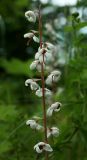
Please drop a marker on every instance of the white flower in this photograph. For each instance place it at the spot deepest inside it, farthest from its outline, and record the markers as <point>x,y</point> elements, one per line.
<point>54,131</point>
<point>32,83</point>
<point>47,92</point>
<point>31,35</point>
<point>43,55</point>
<point>36,65</point>
<point>41,146</point>
<point>33,124</point>
<point>53,77</point>
<point>30,15</point>
<point>40,55</point>
<point>55,107</point>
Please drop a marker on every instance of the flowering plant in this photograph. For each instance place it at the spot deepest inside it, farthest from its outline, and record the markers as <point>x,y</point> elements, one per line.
<point>42,59</point>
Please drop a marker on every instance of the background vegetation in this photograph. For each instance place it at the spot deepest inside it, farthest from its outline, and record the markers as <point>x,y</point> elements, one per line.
<point>18,103</point>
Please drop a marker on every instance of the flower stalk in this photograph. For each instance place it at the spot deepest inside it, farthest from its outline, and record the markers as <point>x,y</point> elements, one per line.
<point>43,85</point>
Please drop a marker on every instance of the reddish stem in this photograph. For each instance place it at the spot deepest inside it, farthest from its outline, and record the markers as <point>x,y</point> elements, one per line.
<point>43,86</point>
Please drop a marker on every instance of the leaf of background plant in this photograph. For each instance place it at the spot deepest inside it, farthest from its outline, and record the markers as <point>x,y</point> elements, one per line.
<point>77,27</point>
<point>17,67</point>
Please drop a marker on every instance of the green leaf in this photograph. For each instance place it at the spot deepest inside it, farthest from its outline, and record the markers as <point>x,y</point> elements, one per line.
<point>77,27</point>
<point>16,67</point>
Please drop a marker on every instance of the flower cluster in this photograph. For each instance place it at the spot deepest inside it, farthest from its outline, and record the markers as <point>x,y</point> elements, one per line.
<point>41,61</point>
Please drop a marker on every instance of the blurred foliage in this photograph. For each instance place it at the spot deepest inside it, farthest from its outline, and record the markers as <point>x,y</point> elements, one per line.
<point>18,103</point>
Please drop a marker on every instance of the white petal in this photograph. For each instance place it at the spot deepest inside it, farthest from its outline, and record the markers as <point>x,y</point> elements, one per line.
<point>56,106</point>
<point>39,127</point>
<point>30,15</point>
<point>56,78</point>
<point>57,110</point>
<point>28,35</point>
<point>31,123</point>
<point>38,150</point>
<point>48,148</point>
<point>39,67</point>
<point>49,80</point>
<point>49,56</point>
<point>48,133</point>
<point>49,111</point>
<point>34,86</point>
<point>41,59</point>
<point>28,122</point>
<point>42,51</point>
<point>36,147</point>
<point>37,55</point>
<point>36,39</point>
<point>50,46</point>
<point>47,92</point>
<point>39,92</point>
<point>55,131</point>
<point>28,81</point>
<point>56,72</point>
<point>33,65</point>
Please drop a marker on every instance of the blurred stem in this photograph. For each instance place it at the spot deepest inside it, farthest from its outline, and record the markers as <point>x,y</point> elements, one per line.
<point>43,85</point>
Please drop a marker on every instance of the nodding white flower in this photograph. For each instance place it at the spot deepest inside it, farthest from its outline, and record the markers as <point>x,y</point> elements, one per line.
<point>31,35</point>
<point>47,92</point>
<point>55,107</point>
<point>32,83</point>
<point>30,15</point>
<point>41,146</point>
<point>34,125</point>
<point>54,131</point>
<point>36,65</point>
<point>53,77</point>
<point>40,55</point>
<point>43,55</point>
